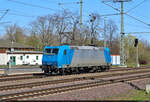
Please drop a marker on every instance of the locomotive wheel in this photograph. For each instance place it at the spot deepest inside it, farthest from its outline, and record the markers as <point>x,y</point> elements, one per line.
<point>46,71</point>
<point>61,71</point>
<point>86,70</point>
<point>108,67</point>
<point>77,70</point>
<point>69,71</point>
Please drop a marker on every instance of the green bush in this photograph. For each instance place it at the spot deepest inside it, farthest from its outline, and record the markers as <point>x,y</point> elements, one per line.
<point>144,58</point>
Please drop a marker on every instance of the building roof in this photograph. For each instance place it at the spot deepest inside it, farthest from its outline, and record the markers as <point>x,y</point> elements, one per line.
<point>25,52</point>
<point>8,44</point>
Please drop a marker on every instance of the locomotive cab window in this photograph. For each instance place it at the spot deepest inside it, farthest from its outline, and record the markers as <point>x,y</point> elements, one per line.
<point>51,51</point>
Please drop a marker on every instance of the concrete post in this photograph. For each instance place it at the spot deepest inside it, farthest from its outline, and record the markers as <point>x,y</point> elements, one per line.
<point>137,57</point>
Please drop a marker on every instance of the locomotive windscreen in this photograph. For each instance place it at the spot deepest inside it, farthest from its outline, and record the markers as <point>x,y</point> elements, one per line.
<point>52,51</point>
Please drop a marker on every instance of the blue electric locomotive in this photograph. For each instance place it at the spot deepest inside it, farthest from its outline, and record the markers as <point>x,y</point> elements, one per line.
<point>68,59</point>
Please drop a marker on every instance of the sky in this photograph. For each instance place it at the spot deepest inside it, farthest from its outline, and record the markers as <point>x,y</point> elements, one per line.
<point>23,12</point>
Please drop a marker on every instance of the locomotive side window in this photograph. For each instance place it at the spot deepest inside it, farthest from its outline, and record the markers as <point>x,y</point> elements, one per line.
<point>51,51</point>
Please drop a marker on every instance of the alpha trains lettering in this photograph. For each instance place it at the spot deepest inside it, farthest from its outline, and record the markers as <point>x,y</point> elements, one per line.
<point>69,59</point>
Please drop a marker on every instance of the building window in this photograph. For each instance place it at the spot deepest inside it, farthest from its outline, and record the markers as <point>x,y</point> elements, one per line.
<point>27,56</point>
<point>21,57</point>
<point>37,57</point>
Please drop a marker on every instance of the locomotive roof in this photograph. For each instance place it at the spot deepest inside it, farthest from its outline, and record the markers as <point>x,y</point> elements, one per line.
<point>86,47</point>
<point>76,47</point>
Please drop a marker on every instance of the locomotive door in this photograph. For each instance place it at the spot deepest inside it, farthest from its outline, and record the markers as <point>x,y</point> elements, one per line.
<point>66,57</point>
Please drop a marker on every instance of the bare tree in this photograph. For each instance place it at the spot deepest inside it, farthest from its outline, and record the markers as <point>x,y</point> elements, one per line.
<point>112,31</point>
<point>73,33</point>
<point>44,28</point>
<point>62,24</point>
<point>15,33</point>
<point>10,31</point>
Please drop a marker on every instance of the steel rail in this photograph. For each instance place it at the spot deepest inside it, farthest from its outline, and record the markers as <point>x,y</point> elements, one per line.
<point>50,91</point>
<point>32,76</point>
<point>36,84</point>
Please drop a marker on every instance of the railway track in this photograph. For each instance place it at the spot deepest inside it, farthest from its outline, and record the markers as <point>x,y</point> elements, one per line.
<point>36,84</point>
<point>40,75</point>
<point>50,91</point>
<point>21,77</point>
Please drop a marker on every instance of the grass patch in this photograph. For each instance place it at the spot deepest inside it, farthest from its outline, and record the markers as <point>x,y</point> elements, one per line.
<point>137,96</point>
<point>132,95</point>
<point>130,65</point>
<point>3,66</point>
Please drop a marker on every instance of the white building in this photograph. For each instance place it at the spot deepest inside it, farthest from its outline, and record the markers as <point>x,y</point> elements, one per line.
<point>18,54</point>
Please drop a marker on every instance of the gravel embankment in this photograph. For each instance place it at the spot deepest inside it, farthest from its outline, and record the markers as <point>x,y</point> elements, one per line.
<point>97,93</point>
<point>85,94</point>
<point>56,78</point>
<point>53,78</point>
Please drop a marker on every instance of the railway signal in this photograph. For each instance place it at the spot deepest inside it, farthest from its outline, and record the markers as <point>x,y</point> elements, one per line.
<point>135,42</point>
<point>137,55</point>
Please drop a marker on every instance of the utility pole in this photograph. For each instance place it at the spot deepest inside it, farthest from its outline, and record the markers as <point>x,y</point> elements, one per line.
<point>81,13</point>
<point>122,43</point>
<point>122,49</point>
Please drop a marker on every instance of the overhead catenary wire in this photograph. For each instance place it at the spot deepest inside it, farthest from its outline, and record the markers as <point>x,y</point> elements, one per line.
<point>128,15</point>
<point>16,14</point>
<point>135,25</point>
<point>50,1</point>
<point>142,15</point>
<point>110,14</point>
<point>5,22</point>
<point>136,6</point>
<point>137,19</point>
<point>11,10</point>
<point>4,14</point>
<point>112,7</point>
<point>68,3</point>
<point>21,15</point>
<point>32,5</point>
<point>137,33</point>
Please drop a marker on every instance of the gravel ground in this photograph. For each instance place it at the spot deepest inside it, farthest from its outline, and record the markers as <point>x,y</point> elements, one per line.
<point>89,94</point>
<point>23,70</point>
<point>1,72</point>
<point>52,78</point>
<point>97,93</point>
<point>85,94</point>
<point>43,87</point>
